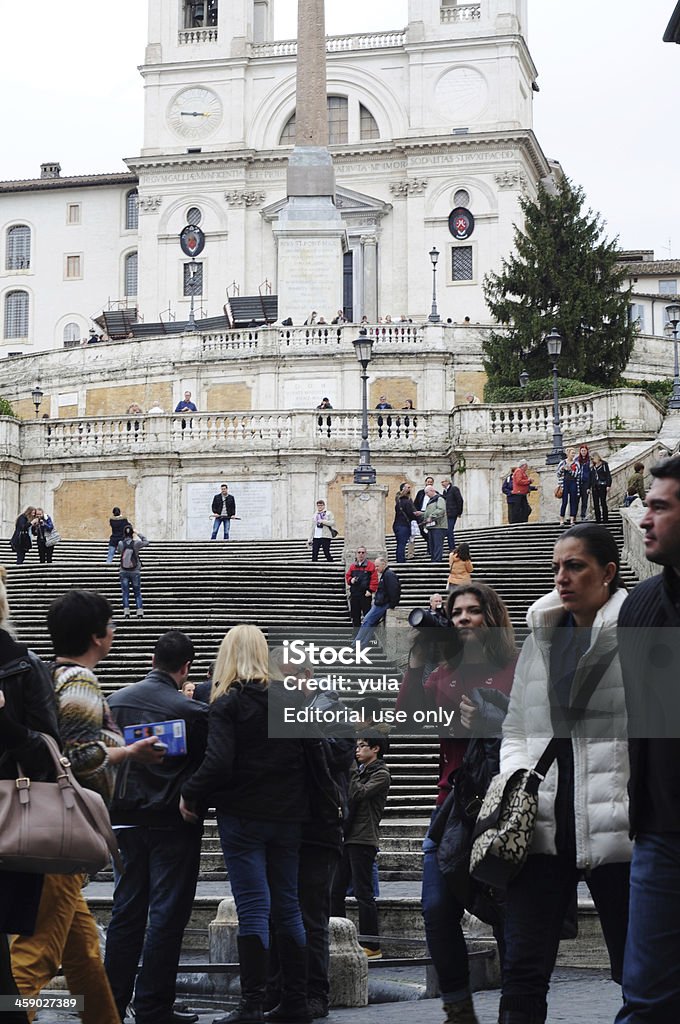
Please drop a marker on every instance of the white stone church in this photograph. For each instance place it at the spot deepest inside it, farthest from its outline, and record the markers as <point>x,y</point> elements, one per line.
<point>432,142</point>
<point>423,120</point>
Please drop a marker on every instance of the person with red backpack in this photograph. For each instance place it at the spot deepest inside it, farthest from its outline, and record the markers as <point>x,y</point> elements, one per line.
<point>130,564</point>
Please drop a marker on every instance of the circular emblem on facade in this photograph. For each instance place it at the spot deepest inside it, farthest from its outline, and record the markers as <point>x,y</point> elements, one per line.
<point>461,223</point>
<point>192,240</point>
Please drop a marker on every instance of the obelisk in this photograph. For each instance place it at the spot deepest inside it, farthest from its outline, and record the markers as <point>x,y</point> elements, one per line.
<point>310,234</point>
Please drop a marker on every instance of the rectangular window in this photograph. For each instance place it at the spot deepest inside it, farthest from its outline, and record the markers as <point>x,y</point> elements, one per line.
<point>193,278</point>
<point>73,268</point>
<point>462,263</point>
<point>337,120</point>
<point>668,287</point>
<point>73,213</point>
<point>637,316</point>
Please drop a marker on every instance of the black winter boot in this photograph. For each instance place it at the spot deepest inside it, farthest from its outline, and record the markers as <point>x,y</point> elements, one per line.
<point>253,958</point>
<point>293,1008</point>
<point>522,1010</point>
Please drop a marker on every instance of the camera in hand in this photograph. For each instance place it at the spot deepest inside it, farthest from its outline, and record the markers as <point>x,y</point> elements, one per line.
<point>425,618</point>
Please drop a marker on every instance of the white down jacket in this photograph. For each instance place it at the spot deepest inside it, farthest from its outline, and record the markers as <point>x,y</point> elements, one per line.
<point>600,764</point>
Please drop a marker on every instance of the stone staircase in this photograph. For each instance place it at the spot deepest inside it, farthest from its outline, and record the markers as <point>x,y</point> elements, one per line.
<point>204,588</point>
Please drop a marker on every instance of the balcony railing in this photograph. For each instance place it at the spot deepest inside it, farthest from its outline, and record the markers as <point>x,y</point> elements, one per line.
<point>334,44</point>
<point>322,338</point>
<point>461,12</point>
<point>192,36</point>
<point>98,437</point>
<point>628,410</point>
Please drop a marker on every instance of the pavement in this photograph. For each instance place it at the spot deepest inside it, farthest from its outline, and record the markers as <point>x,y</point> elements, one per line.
<point>576,997</point>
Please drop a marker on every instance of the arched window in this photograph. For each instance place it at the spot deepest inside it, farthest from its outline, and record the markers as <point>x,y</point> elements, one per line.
<point>18,249</point>
<point>131,274</point>
<point>71,334</point>
<point>132,210</point>
<point>16,315</point>
<point>368,126</point>
<point>337,123</point>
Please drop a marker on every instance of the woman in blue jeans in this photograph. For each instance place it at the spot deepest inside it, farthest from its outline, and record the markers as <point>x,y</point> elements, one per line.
<point>478,654</point>
<point>259,789</point>
<point>404,514</point>
<point>568,684</point>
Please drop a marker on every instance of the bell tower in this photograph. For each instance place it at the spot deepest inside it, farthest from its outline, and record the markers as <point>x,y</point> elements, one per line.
<point>199,45</point>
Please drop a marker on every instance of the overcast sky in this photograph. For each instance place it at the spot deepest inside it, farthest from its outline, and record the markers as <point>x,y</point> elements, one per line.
<point>607,110</point>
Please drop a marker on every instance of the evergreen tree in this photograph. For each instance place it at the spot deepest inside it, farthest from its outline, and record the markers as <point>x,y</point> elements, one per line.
<point>563,274</point>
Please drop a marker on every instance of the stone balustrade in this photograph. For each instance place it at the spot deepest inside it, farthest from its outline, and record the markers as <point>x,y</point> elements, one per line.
<point>334,44</point>
<point>98,437</point>
<point>461,12</point>
<point>627,410</point>
<point>191,36</point>
<point>282,341</point>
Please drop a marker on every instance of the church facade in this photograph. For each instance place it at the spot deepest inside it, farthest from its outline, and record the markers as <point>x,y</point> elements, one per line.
<point>432,142</point>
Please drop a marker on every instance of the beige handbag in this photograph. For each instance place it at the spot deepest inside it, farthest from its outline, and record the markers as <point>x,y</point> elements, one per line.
<point>54,828</point>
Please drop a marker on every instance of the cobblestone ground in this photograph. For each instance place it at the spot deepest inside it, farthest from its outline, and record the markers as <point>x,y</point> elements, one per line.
<point>576,997</point>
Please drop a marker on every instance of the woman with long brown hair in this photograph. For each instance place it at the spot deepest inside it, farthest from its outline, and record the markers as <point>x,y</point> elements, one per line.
<point>472,680</point>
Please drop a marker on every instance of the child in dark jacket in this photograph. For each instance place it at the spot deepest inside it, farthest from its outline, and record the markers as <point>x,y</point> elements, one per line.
<point>368,788</point>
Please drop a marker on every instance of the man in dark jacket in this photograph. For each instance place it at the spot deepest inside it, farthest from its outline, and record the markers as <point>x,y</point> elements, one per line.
<point>386,596</point>
<point>649,659</point>
<point>160,851</point>
<point>362,580</point>
<point>369,785</point>
<point>454,509</point>
<point>224,510</point>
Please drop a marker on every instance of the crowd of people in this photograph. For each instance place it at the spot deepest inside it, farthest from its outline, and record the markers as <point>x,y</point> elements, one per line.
<point>590,696</point>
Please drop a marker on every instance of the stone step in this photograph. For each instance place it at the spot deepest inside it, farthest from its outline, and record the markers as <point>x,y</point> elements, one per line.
<point>400,924</point>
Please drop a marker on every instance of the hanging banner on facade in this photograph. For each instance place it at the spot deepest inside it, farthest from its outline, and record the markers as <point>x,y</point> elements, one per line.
<point>192,240</point>
<point>461,223</point>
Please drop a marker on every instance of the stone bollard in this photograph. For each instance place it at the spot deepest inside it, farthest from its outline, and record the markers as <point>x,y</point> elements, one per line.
<point>222,947</point>
<point>348,965</point>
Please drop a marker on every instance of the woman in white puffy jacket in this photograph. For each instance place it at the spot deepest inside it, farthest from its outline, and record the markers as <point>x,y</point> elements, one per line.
<point>582,825</point>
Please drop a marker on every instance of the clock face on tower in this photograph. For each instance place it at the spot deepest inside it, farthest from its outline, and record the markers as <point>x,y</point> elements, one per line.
<point>195,113</point>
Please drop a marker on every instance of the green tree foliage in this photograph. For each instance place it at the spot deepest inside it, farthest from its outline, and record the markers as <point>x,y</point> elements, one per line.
<point>5,408</point>
<point>563,274</point>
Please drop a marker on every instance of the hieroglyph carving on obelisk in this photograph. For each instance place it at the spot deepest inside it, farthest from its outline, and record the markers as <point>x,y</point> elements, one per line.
<point>310,166</point>
<point>311,118</point>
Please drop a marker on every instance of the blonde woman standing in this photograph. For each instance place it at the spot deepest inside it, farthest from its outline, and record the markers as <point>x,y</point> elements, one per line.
<point>259,789</point>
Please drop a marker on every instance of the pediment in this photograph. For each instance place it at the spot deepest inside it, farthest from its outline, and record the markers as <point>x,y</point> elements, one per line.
<point>350,203</point>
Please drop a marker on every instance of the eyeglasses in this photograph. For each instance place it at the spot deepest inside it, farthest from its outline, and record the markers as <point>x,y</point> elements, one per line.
<point>360,745</point>
<point>112,626</point>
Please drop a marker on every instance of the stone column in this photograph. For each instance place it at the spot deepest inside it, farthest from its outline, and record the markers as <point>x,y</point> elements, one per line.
<point>369,245</point>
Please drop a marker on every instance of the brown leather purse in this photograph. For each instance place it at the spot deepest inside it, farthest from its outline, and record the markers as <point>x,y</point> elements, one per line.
<point>54,828</point>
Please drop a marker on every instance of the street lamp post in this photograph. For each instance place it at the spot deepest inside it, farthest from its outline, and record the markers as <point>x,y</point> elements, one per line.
<point>37,396</point>
<point>434,317</point>
<point>554,343</point>
<point>193,274</point>
<point>673,314</point>
<point>364,472</point>
<point>523,379</point>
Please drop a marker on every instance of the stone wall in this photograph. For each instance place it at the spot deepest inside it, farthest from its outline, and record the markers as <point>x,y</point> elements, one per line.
<point>82,507</point>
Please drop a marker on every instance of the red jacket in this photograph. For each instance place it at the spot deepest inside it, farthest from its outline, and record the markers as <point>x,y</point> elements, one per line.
<point>444,688</point>
<point>520,481</point>
<point>366,566</point>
